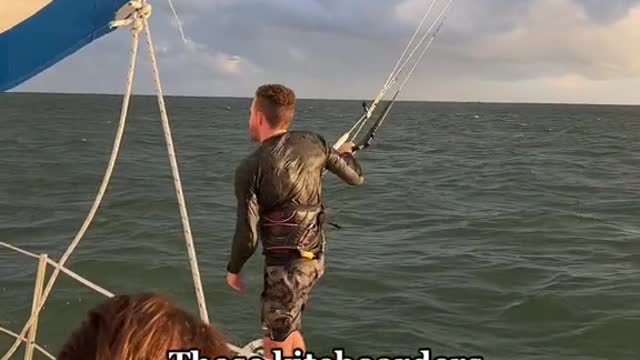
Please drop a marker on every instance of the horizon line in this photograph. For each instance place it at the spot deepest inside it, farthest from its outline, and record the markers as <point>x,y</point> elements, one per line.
<point>331,99</point>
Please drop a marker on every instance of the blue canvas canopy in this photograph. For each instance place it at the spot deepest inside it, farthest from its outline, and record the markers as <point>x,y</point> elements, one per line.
<point>36,34</point>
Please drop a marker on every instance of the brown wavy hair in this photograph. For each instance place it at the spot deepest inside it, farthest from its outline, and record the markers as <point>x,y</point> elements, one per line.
<point>277,102</point>
<point>141,327</point>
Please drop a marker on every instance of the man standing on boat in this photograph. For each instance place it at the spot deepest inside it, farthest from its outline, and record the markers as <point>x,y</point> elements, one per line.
<point>278,192</point>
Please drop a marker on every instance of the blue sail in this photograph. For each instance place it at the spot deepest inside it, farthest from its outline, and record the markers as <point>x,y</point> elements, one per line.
<point>36,34</point>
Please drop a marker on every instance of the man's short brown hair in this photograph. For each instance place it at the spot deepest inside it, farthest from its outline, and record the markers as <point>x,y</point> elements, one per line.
<point>278,103</point>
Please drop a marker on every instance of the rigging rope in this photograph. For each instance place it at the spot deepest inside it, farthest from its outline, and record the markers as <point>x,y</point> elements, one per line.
<point>136,27</point>
<point>178,21</point>
<point>72,274</point>
<point>177,183</point>
<point>138,16</point>
<point>249,350</point>
<point>139,22</point>
<point>25,340</point>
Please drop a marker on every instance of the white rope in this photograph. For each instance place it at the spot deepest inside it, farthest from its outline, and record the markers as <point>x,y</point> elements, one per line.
<point>100,195</point>
<point>359,129</point>
<point>173,9</point>
<point>420,57</point>
<point>176,179</point>
<point>248,350</point>
<point>390,82</point>
<point>442,13</point>
<point>386,83</point>
<point>23,339</point>
<point>72,274</point>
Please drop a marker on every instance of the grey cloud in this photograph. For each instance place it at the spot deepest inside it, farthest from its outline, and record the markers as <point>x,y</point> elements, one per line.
<point>607,11</point>
<point>553,35</point>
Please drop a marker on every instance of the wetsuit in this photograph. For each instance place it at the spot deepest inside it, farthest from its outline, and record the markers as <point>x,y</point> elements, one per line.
<point>278,190</point>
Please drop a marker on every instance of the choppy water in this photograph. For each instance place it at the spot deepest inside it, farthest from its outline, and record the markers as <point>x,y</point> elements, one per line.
<point>508,231</point>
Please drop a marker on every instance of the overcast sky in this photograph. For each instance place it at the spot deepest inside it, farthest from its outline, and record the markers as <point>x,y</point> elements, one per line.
<point>488,50</point>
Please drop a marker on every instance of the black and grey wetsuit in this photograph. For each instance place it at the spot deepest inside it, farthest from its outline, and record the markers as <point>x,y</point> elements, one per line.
<point>278,190</point>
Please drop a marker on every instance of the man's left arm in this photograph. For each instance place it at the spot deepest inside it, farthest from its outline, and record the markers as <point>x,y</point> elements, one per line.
<point>245,239</point>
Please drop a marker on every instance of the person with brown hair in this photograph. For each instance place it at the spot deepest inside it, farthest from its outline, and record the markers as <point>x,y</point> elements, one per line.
<point>279,201</point>
<point>141,327</point>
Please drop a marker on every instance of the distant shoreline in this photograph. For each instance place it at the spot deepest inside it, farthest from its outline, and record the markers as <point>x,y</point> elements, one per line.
<point>330,99</point>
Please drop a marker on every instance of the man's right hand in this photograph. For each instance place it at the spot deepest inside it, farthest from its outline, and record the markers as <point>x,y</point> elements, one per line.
<point>235,282</point>
<point>346,148</point>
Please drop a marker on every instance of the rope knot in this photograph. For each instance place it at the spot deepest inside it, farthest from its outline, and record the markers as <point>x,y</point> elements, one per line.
<point>134,13</point>
<point>142,14</point>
